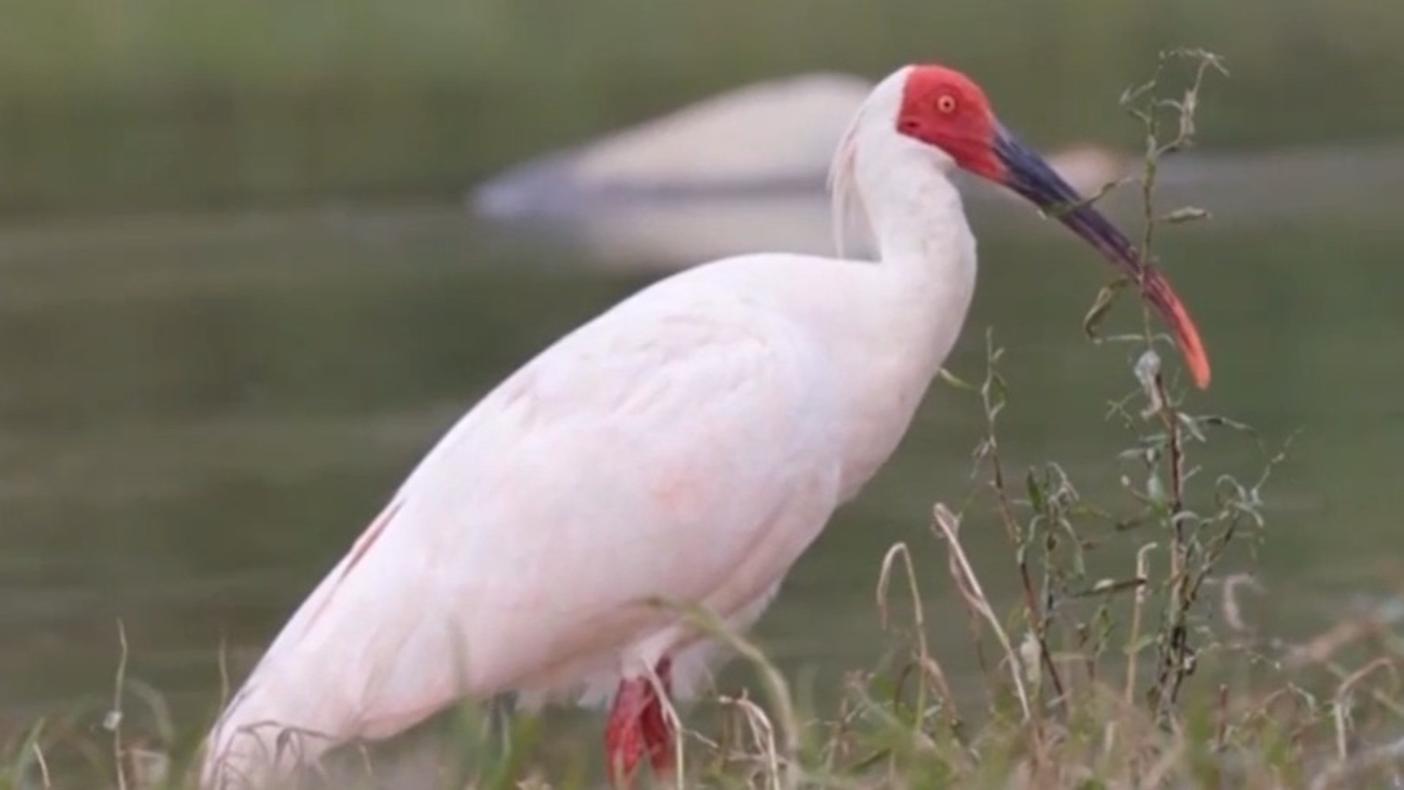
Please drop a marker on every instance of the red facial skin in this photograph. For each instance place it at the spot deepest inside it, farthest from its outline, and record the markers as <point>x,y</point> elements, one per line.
<point>944,108</point>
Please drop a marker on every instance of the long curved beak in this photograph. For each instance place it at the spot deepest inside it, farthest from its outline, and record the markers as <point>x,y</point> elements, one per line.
<point>1025,172</point>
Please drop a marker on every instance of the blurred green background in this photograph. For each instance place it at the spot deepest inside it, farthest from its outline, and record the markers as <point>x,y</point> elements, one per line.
<point>122,104</point>
<point>240,296</point>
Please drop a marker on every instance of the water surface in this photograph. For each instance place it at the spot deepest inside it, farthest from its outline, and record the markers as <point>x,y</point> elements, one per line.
<point>198,413</point>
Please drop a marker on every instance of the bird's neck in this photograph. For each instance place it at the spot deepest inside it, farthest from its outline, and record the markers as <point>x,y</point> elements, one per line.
<point>926,249</point>
<point>922,290</point>
<point>914,210</point>
<point>904,190</point>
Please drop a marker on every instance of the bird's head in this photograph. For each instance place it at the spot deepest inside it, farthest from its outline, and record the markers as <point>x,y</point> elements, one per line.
<point>943,108</point>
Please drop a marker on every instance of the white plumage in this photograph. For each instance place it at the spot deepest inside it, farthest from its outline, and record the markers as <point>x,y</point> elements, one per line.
<point>689,444</point>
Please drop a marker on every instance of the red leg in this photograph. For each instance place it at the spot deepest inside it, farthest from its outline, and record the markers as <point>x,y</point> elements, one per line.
<point>638,726</point>
<point>657,729</point>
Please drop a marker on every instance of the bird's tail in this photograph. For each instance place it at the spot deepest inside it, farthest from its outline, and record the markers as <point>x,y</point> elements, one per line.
<point>354,662</point>
<point>259,743</point>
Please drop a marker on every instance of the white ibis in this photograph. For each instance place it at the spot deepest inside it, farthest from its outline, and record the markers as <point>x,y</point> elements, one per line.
<point>771,137</point>
<point>688,444</point>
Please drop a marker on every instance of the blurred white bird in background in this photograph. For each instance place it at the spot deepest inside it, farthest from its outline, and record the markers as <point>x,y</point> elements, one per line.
<point>686,445</point>
<point>737,171</point>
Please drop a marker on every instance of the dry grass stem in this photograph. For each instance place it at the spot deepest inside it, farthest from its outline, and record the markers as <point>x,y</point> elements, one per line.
<point>966,583</point>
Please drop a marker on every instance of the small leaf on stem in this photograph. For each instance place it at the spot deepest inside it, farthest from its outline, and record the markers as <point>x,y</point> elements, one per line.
<point>1187,214</point>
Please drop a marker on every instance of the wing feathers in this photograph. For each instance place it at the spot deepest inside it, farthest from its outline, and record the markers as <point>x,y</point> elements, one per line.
<point>647,454</point>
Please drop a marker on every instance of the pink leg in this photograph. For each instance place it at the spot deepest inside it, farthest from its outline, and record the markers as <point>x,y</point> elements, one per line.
<point>638,726</point>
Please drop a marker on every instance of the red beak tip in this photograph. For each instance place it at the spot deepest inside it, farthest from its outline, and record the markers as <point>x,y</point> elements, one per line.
<point>1198,363</point>
<point>1201,375</point>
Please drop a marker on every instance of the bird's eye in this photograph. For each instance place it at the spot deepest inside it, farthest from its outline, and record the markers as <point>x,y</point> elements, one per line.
<point>946,103</point>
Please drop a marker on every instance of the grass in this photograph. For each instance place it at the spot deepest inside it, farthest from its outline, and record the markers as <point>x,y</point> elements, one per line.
<point>1129,659</point>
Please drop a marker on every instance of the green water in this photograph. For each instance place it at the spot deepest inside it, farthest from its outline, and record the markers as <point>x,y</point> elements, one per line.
<point>198,414</point>
<point>168,103</point>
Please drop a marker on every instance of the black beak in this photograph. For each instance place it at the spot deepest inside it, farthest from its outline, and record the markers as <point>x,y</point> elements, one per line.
<point>1025,172</point>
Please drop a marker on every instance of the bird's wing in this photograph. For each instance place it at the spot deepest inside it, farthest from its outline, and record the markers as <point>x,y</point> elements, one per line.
<point>675,447</point>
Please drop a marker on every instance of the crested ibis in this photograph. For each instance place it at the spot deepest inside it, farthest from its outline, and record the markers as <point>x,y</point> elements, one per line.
<point>687,444</point>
